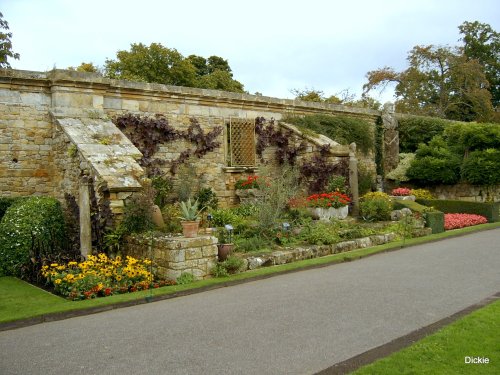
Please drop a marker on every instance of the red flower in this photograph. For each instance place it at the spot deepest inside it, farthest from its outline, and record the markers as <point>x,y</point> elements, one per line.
<point>454,221</point>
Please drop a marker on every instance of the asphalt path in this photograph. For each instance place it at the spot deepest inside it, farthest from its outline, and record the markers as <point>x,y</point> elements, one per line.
<point>298,323</point>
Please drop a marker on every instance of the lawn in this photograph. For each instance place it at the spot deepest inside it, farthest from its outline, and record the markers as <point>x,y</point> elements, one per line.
<point>476,335</point>
<point>20,300</point>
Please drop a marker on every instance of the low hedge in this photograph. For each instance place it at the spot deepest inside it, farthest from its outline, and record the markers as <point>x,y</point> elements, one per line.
<point>434,219</point>
<point>31,224</point>
<point>488,210</point>
<point>5,203</point>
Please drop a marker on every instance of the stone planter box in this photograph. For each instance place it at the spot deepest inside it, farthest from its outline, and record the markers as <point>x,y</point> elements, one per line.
<point>175,255</point>
<point>325,214</point>
<point>248,195</point>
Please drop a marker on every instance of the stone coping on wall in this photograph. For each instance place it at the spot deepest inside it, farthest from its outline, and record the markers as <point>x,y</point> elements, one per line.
<point>110,87</point>
<point>109,152</point>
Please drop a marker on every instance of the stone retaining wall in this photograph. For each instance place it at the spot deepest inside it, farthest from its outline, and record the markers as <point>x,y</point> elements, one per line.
<point>175,255</point>
<point>315,251</point>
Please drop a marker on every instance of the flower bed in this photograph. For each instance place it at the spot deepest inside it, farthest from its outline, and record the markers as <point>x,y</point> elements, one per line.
<point>101,276</point>
<point>455,221</point>
<point>326,200</point>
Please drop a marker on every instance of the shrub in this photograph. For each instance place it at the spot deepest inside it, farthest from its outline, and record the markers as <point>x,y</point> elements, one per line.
<point>337,183</point>
<point>455,221</point>
<point>185,278</point>
<point>342,129</point>
<point>473,136</point>
<point>422,194</point>
<point>320,233</point>
<point>223,216</point>
<point>482,167</point>
<point>435,163</point>
<point>163,187</point>
<point>5,203</point>
<point>31,228</point>
<point>171,216</point>
<point>138,211</point>
<point>375,206</point>
<point>251,244</point>
<point>231,265</point>
<point>206,198</point>
<point>416,130</point>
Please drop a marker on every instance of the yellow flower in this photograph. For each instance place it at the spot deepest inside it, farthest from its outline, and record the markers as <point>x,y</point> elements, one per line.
<point>54,265</point>
<point>61,268</point>
<point>118,278</point>
<point>72,264</point>
<point>58,281</point>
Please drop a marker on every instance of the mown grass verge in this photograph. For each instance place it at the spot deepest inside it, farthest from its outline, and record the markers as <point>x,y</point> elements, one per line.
<point>22,301</point>
<point>445,352</point>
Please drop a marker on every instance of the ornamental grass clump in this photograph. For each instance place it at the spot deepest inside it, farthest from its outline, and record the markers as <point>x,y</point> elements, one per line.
<point>101,276</point>
<point>455,221</point>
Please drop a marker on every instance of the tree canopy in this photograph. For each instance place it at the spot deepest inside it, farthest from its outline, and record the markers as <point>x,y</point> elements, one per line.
<point>6,44</point>
<point>156,63</point>
<point>444,81</point>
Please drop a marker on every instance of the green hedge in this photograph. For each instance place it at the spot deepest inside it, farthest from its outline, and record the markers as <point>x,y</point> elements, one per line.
<point>433,219</point>
<point>342,129</point>
<point>30,223</point>
<point>5,203</point>
<point>415,130</point>
<point>488,210</point>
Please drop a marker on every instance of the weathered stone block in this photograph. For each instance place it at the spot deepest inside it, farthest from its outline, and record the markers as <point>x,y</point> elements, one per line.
<point>193,253</point>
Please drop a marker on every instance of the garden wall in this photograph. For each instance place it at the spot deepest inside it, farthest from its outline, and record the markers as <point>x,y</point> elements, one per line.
<point>41,154</point>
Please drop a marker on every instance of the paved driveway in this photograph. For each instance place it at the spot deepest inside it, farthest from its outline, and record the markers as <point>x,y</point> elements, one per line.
<point>297,323</point>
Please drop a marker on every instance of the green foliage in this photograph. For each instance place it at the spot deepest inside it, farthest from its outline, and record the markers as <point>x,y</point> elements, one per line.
<point>489,210</point>
<point>253,243</point>
<point>375,206</point>
<point>156,63</point>
<point>435,163</point>
<point>171,214</point>
<point>366,179</point>
<point>185,278</point>
<point>465,137</point>
<point>163,186</point>
<point>207,199</point>
<point>337,183</point>
<point>418,129</point>
<point>441,82</point>
<point>138,211</point>
<point>230,266</point>
<point>5,203</point>
<point>223,216</point>
<point>482,167</point>
<point>245,210</point>
<point>31,225</point>
<point>319,233</point>
<point>189,210</point>
<point>434,219</point>
<point>342,129</point>
<point>6,44</point>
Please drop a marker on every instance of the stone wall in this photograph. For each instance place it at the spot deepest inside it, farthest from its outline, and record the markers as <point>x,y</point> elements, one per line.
<point>38,112</point>
<point>466,192</point>
<point>175,255</point>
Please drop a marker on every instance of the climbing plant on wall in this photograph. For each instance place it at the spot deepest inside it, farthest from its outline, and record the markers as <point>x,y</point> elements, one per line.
<point>148,133</point>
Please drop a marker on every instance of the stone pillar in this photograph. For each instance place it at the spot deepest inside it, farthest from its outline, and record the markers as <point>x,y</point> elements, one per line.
<point>353,179</point>
<point>390,144</point>
<point>85,224</point>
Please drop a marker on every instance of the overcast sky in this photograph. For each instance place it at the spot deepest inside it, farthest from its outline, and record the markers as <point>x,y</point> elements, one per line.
<point>272,46</point>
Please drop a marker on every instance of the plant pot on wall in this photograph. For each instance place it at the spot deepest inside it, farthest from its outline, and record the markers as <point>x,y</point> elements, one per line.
<point>190,228</point>
<point>224,250</point>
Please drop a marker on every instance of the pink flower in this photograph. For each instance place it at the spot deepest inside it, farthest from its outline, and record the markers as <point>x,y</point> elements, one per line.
<point>455,221</point>
<point>402,191</point>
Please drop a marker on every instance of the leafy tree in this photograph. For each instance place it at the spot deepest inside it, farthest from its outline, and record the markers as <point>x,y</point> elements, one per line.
<point>440,81</point>
<point>6,44</point>
<point>482,43</point>
<point>160,64</point>
<point>155,63</point>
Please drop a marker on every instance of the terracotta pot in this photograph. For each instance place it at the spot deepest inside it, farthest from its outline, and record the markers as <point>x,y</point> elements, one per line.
<point>225,249</point>
<point>190,228</point>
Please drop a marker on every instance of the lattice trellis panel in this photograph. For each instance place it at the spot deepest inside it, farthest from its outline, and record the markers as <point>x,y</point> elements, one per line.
<point>242,142</point>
